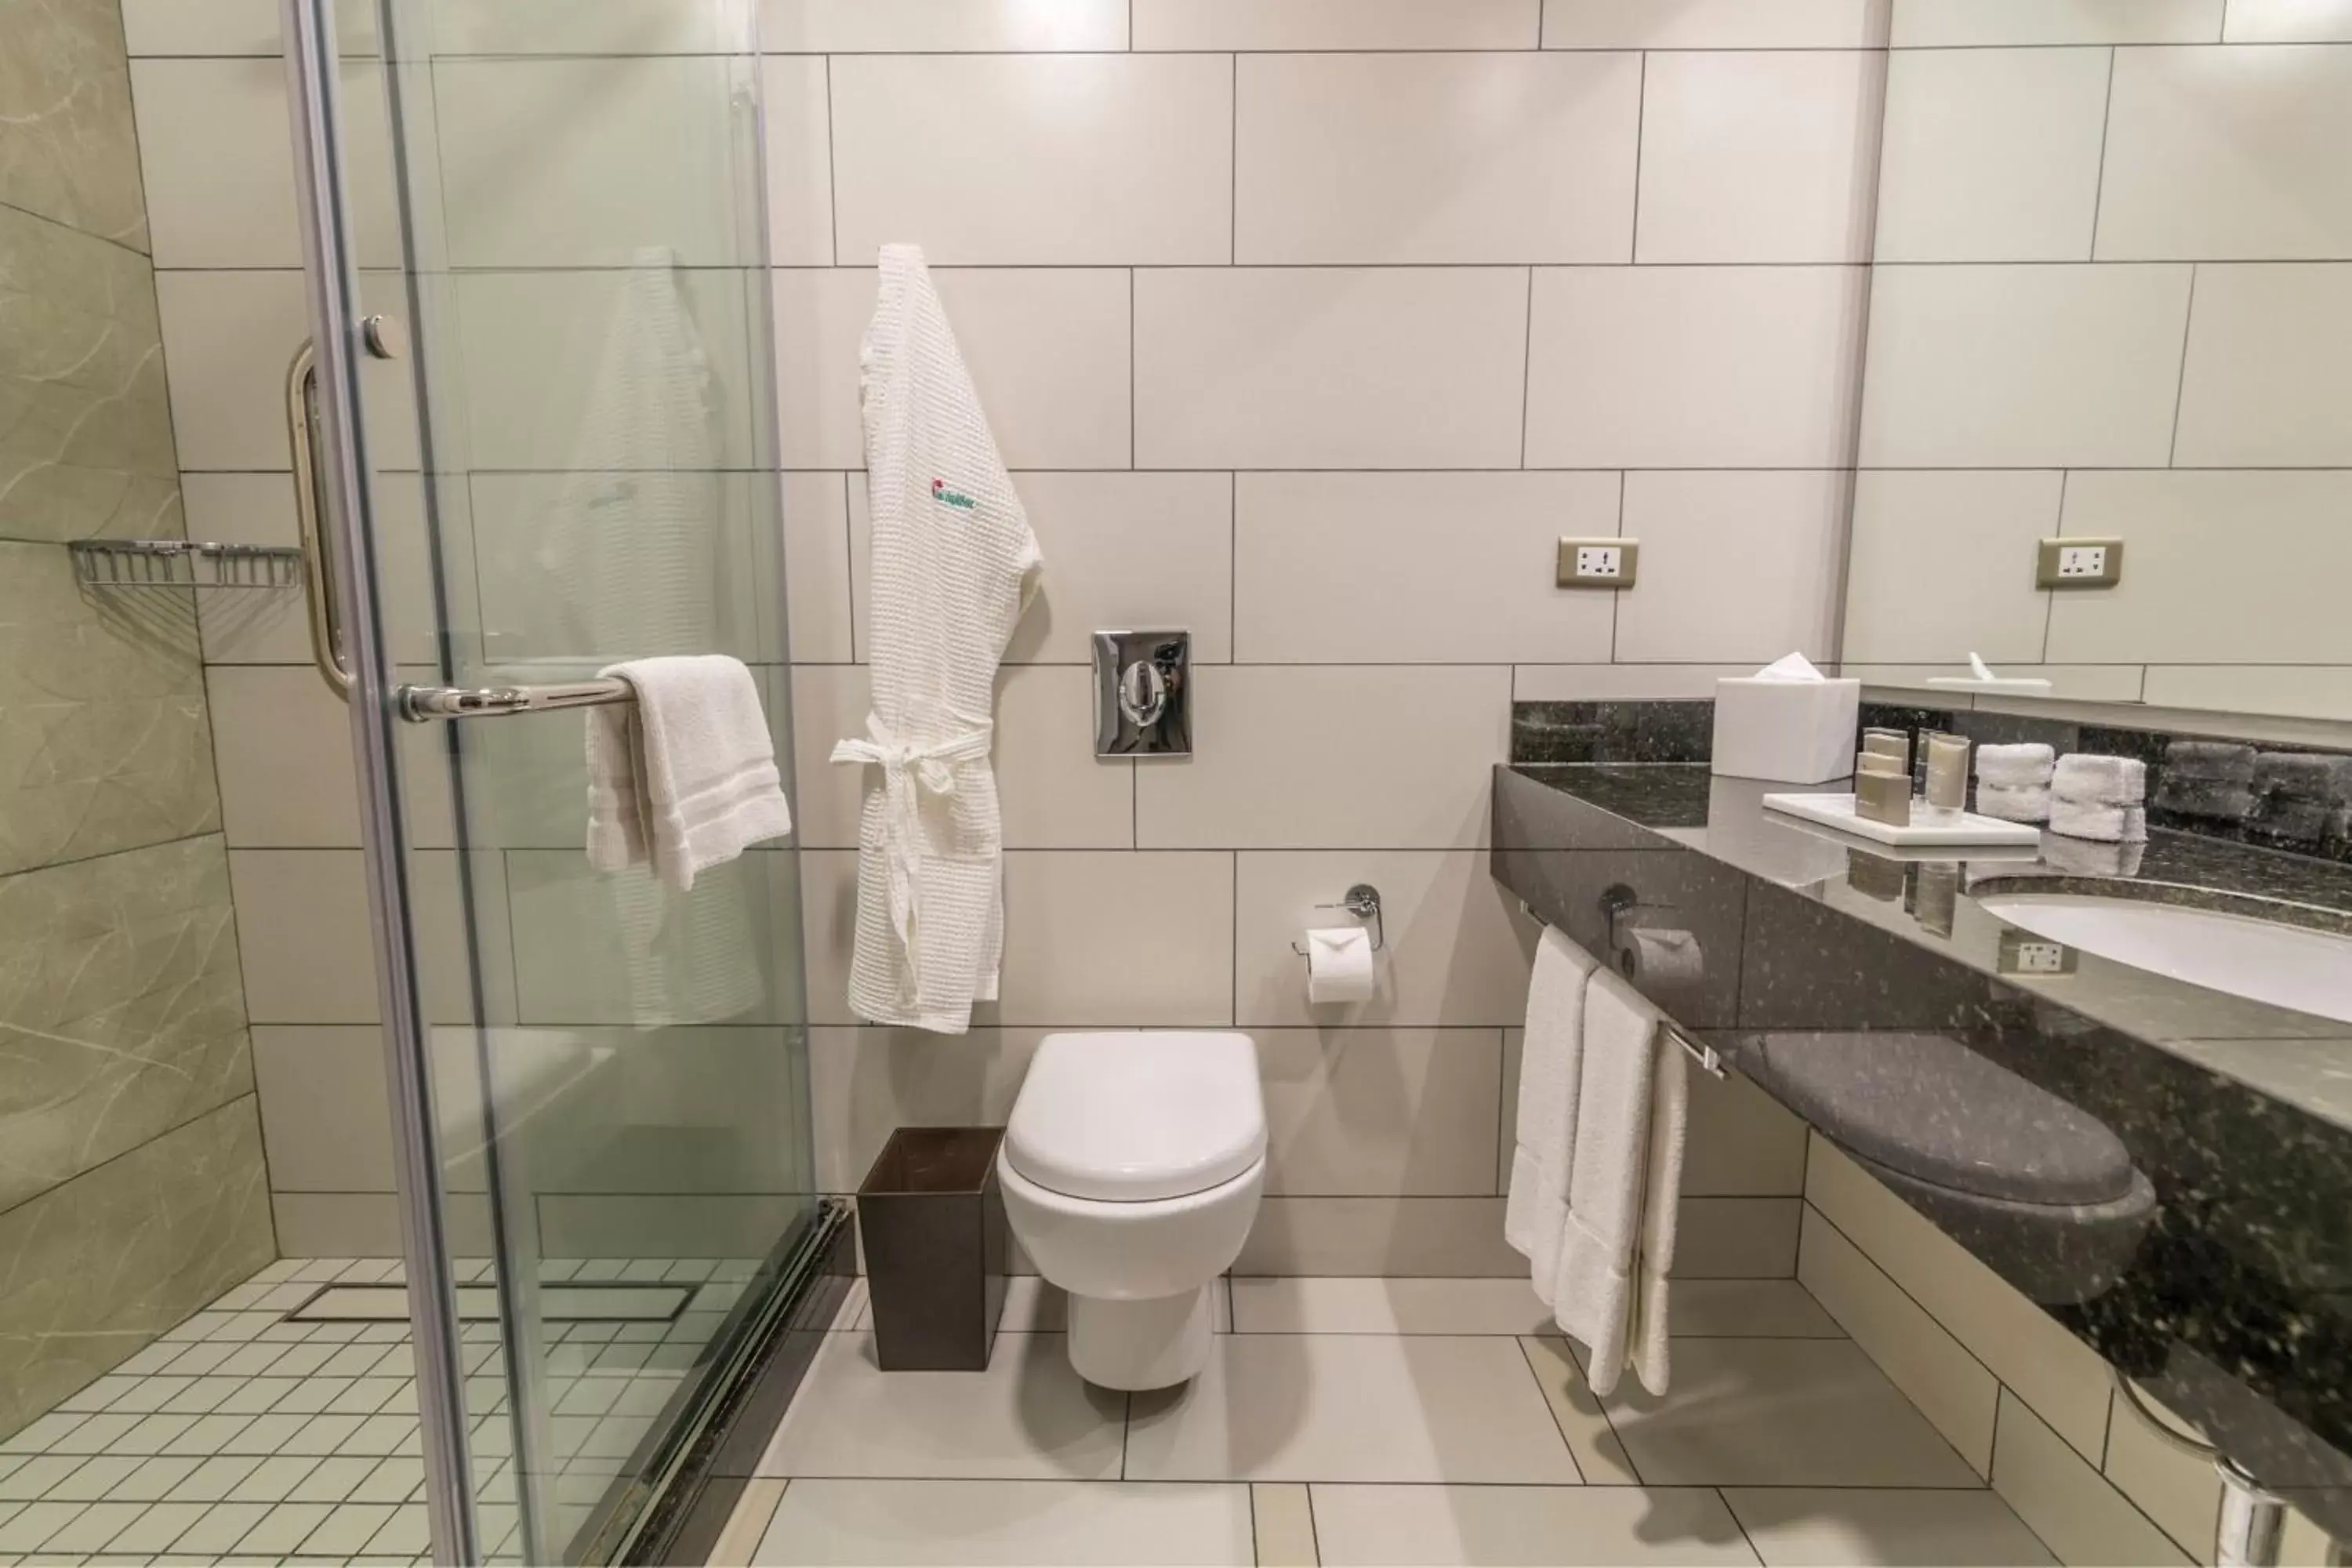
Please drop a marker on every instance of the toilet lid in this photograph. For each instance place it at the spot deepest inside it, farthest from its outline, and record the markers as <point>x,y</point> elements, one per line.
<point>1131,1116</point>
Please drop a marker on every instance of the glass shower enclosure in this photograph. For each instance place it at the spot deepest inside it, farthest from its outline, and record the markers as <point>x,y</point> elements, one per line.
<point>551,437</point>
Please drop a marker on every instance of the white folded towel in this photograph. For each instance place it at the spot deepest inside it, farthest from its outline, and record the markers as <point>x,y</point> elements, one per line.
<point>2016,766</point>
<point>2104,824</point>
<point>1625,1182</point>
<point>2088,780</point>
<point>2016,803</point>
<point>1550,1058</point>
<point>684,776</point>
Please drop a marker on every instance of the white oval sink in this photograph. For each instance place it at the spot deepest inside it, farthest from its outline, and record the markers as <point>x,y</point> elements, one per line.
<point>2262,961</point>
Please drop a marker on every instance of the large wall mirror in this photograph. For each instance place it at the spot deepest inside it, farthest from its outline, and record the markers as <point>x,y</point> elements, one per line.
<point>2112,301</point>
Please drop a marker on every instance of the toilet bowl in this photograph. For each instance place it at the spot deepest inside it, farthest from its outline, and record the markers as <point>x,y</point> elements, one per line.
<point>1131,1169</point>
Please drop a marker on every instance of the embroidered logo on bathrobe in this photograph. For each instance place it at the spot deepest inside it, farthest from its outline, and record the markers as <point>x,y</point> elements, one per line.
<point>946,497</point>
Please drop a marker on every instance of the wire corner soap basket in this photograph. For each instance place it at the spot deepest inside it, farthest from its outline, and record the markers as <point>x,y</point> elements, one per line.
<point>183,564</point>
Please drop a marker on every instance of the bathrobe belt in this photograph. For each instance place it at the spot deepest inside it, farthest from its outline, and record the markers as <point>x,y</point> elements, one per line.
<point>909,767</point>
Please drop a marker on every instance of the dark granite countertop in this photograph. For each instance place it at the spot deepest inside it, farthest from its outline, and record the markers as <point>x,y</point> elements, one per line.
<point>2233,1302</point>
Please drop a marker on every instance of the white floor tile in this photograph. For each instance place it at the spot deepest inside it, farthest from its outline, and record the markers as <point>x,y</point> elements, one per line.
<point>1367,1306</point>
<point>1802,1527</point>
<point>1027,1416</point>
<point>1026,1522</point>
<point>1307,1407</point>
<point>1475,1526</point>
<point>1760,1412</point>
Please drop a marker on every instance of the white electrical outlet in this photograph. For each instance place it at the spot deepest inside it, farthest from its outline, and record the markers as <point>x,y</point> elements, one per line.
<point>2080,563</point>
<point>1597,563</point>
<point>2040,958</point>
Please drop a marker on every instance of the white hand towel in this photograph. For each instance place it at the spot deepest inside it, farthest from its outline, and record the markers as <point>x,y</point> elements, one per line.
<point>1550,1061</point>
<point>683,777</point>
<point>2088,780</point>
<point>1609,1288</point>
<point>2014,803</point>
<point>2102,824</point>
<point>2015,767</point>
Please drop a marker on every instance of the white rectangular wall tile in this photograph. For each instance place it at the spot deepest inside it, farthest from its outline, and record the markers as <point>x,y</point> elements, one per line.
<point>308,956</point>
<point>2228,153</point>
<point>259,509</point>
<point>2179,1492</point>
<point>1734,567</point>
<point>820,610</point>
<point>1925,24</point>
<point>1304,756</point>
<point>1757,155</point>
<point>1737,1238</point>
<point>282,748</point>
<point>1457,950</point>
<point>587,948</point>
<point>2269,378</point>
<point>2295,692</point>
<point>1693,366</point>
<point>2183,602</point>
<point>2002,366</point>
<point>1340,367</point>
<point>619,27</point>
<point>1416,567</point>
<point>798,108</point>
<point>1935,1371</point>
<point>1992,154</point>
<point>1940,565</point>
<point>1742,1144</point>
<point>1436,157</point>
<point>865,1083</point>
<point>218,163</point>
<point>1398,1238</point>
<point>1335,24</point>
<point>1013,159</point>
<point>1715,25</point>
<point>1048,349</point>
<point>865,26</point>
<point>2024,1347</point>
<point>1353,1112</point>
<point>1126,550</point>
<point>324,1121</point>
<point>231,27</point>
<point>2288,21</point>
<point>2064,1500</point>
<point>1622,682</point>
<point>1071,919</point>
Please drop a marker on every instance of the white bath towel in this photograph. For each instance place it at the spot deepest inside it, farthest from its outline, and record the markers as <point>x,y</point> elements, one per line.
<point>2018,766</point>
<point>2014,803</point>
<point>1550,1058</point>
<point>2088,780</point>
<point>1632,1115</point>
<point>683,777</point>
<point>954,565</point>
<point>2102,823</point>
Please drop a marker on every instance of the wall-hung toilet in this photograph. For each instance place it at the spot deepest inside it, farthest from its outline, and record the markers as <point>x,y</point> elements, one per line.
<point>1131,1169</point>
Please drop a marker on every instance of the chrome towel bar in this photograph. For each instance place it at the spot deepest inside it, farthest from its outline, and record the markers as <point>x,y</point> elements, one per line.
<point>1709,1060</point>
<point>424,704</point>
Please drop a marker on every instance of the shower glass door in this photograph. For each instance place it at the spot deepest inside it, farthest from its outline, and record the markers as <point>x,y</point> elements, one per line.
<point>614,1101</point>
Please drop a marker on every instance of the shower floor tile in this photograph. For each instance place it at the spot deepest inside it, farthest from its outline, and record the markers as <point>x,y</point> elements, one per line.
<point>262,1428</point>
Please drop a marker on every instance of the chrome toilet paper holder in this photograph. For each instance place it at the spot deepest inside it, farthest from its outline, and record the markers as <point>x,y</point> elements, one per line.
<point>1363,902</point>
<point>1620,901</point>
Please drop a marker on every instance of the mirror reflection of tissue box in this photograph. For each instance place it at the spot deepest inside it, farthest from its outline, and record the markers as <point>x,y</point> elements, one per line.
<point>1790,726</point>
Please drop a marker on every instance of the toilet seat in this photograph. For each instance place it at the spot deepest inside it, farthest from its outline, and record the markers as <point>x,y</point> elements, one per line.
<point>1127,1117</point>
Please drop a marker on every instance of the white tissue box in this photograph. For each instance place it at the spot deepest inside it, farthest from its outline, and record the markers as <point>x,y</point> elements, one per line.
<point>1791,731</point>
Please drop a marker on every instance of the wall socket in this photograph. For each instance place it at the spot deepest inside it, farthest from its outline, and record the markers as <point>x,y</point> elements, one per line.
<point>2079,563</point>
<point>1598,563</point>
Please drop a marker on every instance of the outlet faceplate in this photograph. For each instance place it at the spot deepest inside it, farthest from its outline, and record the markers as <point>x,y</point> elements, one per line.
<point>2022,955</point>
<point>1598,563</point>
<point>2080,563</point>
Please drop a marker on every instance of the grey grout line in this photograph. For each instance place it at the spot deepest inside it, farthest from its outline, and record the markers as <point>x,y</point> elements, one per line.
<point>2107,124</point>
<point>2180,382</point>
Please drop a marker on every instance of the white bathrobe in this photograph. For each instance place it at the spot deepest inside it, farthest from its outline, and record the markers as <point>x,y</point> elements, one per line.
<point>954,565</point>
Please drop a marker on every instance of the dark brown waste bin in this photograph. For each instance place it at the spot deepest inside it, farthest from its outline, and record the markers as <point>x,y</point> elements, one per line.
<point>931,1217</point>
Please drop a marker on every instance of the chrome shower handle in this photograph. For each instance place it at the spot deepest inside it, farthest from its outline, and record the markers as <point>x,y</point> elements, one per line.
<point>326,621</point>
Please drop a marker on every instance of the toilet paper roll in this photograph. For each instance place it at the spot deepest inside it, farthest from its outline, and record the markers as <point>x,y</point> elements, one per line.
<point>1338,964</point>
<point>1662,955</point>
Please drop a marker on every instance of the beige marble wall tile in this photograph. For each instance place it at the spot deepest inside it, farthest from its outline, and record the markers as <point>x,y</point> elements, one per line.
<point>121,1013</point>
<point>94,1270</point>
<point>85,424</point>
<point>104,740</point>
<point>66,146</point>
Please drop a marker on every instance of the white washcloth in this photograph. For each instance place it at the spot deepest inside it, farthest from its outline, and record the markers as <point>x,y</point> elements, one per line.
<point>2017,766</point>
<point>1550,1058</point>
<point>2102,823</point>
<point>1624,1181</point>
<point>683,777</point>
<point>2088,780</point>
<point>2014,803</point>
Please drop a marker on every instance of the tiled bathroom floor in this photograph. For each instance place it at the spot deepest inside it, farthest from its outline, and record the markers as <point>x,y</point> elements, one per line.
<point>1376,1421</point>
<point>257,1431</point>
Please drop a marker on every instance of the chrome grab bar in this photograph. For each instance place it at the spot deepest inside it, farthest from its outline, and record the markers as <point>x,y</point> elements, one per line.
<point>422,704</point>
<point>326,624</point>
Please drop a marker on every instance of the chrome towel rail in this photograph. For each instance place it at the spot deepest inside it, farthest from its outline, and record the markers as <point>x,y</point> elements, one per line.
<point>1709,1060</point>
<point>424,704</point>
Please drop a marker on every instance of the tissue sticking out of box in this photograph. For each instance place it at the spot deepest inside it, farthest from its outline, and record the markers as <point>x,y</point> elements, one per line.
<point>1787,722</point>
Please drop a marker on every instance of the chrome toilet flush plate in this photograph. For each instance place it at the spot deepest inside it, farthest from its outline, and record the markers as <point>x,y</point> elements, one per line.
<point>1143,694</point>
